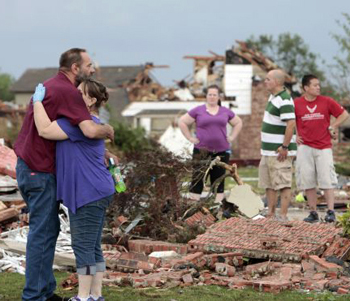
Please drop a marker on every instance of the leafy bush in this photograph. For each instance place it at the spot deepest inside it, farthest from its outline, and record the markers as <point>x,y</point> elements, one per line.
<point>344,222</point>
<point>130,140</point>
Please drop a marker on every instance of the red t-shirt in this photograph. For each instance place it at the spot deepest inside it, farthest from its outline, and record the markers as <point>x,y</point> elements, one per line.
<point>313,120</point>
<point>62,99</point>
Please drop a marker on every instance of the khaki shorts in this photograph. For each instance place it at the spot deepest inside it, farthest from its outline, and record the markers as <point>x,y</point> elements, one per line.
<point>274,174</point>
<point>315,168</point>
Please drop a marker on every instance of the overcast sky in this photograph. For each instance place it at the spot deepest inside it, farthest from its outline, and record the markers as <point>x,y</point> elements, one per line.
<point>34,33</point>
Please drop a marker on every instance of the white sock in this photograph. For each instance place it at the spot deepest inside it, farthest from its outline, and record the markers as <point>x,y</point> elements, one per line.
<point>83,299</point>
<point>95,297</point>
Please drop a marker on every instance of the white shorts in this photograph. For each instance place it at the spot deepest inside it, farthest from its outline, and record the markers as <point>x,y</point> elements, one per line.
<point>314,168</point>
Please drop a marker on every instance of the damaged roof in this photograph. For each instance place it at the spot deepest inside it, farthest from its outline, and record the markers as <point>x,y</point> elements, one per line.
<point>111,76</point>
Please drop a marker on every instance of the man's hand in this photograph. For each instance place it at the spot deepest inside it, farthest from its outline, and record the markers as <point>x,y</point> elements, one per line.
<point>332,132</point>
<point>299,140</point>
<point>39,93</point>
<point>282,154</point>
<point>194,140</point>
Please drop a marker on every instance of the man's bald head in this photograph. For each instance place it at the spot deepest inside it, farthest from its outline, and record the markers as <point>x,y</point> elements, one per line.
<point>275,81</point>
<point>279,76</point>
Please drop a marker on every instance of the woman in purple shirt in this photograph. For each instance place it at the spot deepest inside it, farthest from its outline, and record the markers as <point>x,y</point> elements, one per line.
<point>84,184</point>
<point>211,121</point>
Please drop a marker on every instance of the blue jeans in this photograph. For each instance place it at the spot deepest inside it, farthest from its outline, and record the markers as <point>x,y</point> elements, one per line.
<point>39,192</point>
<point>86,229</point>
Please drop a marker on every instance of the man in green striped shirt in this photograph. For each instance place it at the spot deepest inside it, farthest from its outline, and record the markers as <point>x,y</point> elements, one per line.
<point>278,144</point>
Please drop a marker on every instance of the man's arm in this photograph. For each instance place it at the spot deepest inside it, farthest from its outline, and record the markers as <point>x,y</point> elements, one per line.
<point>283,152</point>
<point>340,119</point>
<point>335,125</point>
<point>93,130</point>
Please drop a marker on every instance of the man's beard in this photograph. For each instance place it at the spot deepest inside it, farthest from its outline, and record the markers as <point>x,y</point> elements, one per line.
<point>80,78</point>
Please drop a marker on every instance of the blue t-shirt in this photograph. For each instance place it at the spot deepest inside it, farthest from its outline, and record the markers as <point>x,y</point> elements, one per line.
<point>82,176</point>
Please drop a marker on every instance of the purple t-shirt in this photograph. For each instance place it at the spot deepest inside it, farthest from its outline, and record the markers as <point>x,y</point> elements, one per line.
<point>211,129</point>
<point>82,176</point>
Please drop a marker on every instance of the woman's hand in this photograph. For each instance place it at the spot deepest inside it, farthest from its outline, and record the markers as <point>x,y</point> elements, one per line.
<point>230,139</point>
<point>194,140</point>
<point>39,93</point>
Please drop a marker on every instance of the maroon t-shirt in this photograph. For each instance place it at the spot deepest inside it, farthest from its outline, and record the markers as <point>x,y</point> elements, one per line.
<point>62,99</point>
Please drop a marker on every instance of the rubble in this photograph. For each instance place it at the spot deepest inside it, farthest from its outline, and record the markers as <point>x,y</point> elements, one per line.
<point>254,238</point>
<point>147,223</point>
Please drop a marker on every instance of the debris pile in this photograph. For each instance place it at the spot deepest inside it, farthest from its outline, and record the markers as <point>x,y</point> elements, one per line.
<point>317,267</point>
<point>12,206</point>
<point>155,203</point>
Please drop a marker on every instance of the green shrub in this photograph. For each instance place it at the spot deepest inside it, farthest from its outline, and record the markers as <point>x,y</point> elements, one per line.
<point>131,140</point>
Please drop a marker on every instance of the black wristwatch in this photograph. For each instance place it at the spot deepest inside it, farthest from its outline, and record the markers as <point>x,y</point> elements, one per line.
<point>284,147</point>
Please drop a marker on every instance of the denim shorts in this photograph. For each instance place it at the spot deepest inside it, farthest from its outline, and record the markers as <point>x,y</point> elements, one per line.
<point>86,229</point>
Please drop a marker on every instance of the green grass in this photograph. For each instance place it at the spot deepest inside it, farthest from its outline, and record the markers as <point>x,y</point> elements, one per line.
<point>11,285</point>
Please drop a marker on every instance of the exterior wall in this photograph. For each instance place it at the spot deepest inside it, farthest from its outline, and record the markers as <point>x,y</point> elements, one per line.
<point>155,125</point>
<point>247,146</point>
<point>22,99</point>
<point>238,83</point>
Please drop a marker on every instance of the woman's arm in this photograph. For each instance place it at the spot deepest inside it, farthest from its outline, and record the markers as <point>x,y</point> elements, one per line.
<point>236,124</point>
<point>46,128</point>
<point>184,123</point>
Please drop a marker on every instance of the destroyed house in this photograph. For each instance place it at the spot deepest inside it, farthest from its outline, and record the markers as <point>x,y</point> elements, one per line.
<point>240,74</point>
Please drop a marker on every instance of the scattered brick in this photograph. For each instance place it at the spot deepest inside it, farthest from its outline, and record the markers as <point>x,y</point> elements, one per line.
<point>187,278</point>
<point>262,268</point>
<point>323,265</point>
<point>149,246</point>
<point>339,248</point>
<point>342,291</point>
<point>295,239</point>
<point>225,269</point>
<point>200,218</point>
<point>272,286</point>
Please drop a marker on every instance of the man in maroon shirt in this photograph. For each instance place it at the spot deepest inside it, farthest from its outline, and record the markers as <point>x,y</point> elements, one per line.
<point>314,132</point>
<point>36,169</point>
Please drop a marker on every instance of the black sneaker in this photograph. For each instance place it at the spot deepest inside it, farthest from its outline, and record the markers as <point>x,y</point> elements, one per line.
<point>55,297</point>
<point>330,216</point>
<point>312,218</point>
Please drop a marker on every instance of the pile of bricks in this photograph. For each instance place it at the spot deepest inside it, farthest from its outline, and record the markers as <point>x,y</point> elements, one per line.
<point>227,269</point>
<point>293,256</point>
<point>265,238</point>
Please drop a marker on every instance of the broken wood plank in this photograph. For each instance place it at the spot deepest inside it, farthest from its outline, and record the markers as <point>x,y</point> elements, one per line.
<point>8,213</point>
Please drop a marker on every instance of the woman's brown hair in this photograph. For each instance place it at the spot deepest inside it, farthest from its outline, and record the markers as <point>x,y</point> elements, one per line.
<point>95,89</point>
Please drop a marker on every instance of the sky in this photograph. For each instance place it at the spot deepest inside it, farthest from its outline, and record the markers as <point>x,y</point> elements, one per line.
<point>34,33</point>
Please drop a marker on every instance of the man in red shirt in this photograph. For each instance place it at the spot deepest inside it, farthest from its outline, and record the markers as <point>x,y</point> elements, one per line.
<point>314,133</point>
<point>36,169</point>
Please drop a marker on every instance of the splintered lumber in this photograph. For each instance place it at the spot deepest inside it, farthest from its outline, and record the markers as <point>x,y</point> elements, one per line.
<point>8,213</point>
<point>2,206</point>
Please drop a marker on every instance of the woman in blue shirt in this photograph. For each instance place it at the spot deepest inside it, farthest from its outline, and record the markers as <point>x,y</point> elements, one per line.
<point>84,184</point>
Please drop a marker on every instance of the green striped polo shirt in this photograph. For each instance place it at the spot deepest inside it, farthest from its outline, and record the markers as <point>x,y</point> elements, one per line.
<point>279,109</point>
